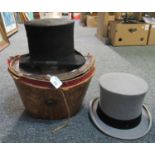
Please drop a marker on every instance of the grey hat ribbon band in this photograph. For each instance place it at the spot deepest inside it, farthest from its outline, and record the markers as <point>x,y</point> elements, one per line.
<point>119,124</point>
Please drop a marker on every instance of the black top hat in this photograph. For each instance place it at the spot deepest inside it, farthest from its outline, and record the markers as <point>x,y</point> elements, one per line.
<point>51,44</point>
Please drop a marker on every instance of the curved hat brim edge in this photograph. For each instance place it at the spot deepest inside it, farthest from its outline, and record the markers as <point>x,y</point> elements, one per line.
<point>78,60</point>
<point>135,133</point>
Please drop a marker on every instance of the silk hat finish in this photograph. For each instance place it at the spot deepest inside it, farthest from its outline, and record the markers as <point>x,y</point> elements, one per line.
<point>51,43</point>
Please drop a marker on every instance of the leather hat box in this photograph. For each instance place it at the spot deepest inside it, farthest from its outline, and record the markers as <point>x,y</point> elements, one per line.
<point>44,101</point>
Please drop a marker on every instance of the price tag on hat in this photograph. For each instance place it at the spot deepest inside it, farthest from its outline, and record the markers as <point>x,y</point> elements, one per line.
<point>55,81</point>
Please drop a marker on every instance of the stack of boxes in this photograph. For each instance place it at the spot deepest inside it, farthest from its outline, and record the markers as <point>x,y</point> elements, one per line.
<point>103,22</point>
<point>120,33</point>
<point>89,19</point>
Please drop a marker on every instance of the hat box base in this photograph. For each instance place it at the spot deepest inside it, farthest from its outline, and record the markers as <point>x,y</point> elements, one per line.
<point>126,134</point>
<point>42,100</point>
<point>48,103</point>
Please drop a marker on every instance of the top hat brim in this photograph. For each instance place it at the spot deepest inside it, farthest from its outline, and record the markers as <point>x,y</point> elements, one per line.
<point>71,62</point>
<point>128,134</point>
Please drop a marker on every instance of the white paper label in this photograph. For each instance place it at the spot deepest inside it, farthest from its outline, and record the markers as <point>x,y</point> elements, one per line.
<point>146,27</point>
<point>55,81</point>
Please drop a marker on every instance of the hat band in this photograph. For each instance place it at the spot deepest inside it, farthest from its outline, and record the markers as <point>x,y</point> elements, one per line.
<point>120,124</point>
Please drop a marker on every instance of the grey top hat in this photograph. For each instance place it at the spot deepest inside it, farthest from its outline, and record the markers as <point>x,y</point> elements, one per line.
<point>119,112</point>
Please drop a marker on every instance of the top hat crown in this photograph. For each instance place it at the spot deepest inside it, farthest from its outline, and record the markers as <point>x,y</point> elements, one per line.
<point>122,95</point>
<point>51,42</point>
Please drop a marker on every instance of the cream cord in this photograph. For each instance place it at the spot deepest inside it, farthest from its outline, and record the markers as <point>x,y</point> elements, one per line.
<point>66,122</point>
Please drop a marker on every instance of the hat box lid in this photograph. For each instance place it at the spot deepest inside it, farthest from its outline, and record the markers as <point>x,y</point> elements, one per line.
<point>68,77</point>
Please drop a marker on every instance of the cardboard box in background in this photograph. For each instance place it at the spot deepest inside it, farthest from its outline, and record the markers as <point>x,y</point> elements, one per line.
<point>45,15</point>
<point>138,15</point>
<point>152,14</point>
<point>122,34</point>
<point>151,37</point>
<point>83,17</point>
<point>91,21</point>
<point>118,15</point>
<point>102,25</point>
